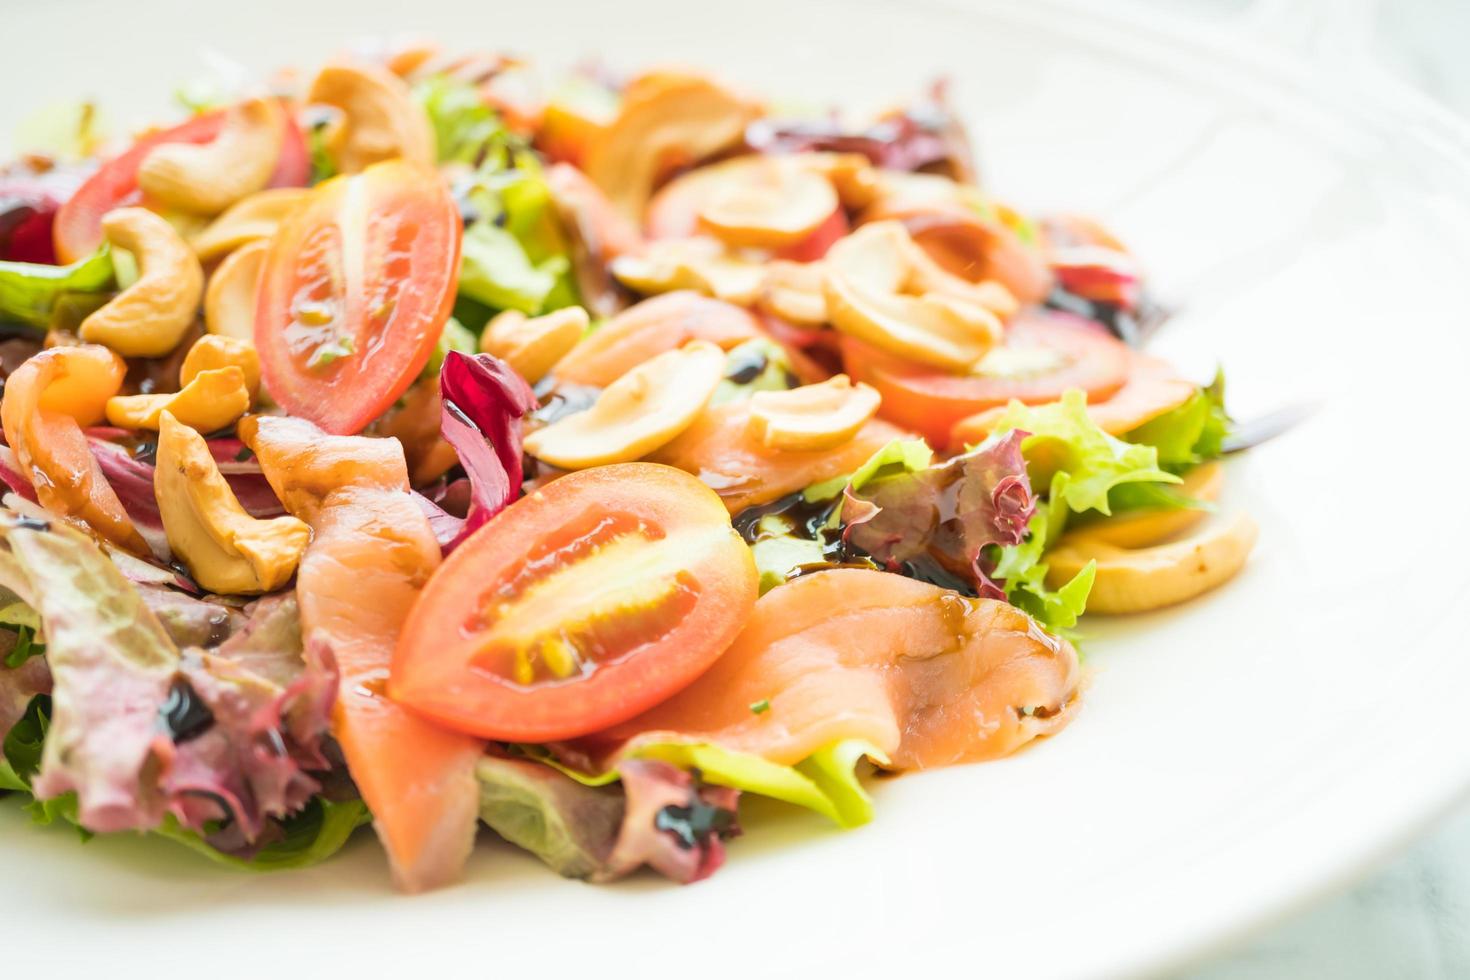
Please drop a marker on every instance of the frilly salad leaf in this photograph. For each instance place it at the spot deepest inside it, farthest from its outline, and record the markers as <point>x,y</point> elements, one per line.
<point>1192,433</point>
<point>30,292</point>
<point>942,521</point>
<point>135,731</point>
<point>1061,438</point>
<point>1022,568</point>
<point>497,271</point>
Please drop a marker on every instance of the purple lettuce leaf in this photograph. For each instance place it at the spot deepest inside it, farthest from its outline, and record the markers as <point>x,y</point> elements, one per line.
<point>947,514</point>
<point>12,476</point>
<point>658,815</point>
<point>484,400</point>
<point>221,739</point>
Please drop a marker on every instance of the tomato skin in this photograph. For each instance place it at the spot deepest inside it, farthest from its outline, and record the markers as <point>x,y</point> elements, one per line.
<point>439,667</point>
<point>930,401</point>
<point>380,318</point>
<point>78,228</point>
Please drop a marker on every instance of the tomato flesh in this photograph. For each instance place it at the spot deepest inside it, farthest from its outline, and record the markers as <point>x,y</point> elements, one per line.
<point>78,228</point>
<point>577,607</point>
<point>356,288</point>
<point>1044,354</point>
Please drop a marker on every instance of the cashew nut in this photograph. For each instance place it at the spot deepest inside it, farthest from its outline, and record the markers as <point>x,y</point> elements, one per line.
<point>793,291</point>
<point>636,414</point>
<point>225,549</point>
<point>882,289</point>
<point>212,352</point>
<point>772,206</point>
<point>206,178</point>
<point>819,416</point>
<point>211,401</point>
<point>665,118</point>
<point>1137,580</point>
<point>701,264</point>
<point>229,302</point>
<point>150,317</point>
<point>47,401</point>
<point>533,345</point>
<point>382,120</point>
<point>255,217</point>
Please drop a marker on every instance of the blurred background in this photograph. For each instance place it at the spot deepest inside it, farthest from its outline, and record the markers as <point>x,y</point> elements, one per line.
<point>1411,918</point>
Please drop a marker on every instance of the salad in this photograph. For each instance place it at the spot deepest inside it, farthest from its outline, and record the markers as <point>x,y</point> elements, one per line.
<point>408,443</point>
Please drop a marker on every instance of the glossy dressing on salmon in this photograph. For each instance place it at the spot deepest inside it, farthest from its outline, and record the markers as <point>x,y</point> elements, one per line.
<point>371,552</point>
<point>930,677</point>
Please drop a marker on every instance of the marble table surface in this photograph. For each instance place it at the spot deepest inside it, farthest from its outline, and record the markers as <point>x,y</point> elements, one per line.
<point>1410,920</point>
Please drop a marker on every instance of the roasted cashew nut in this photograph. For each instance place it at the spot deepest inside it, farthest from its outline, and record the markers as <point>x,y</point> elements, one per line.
<point>793,291</point>
<point>1140,579</point>
<point>229,302</point>
<point>225,549</point>
<point>882,289</point>
<point>532,345</point>
<point>206,178</point>
<point>247,220</point>
<point>700,264</point>
<point>812,417</point>
<point>150,317</point>
<point>212,352</point>
<point>381,119</point>
<point>636,414</point>
<point>211,401</point>
<point>770,206</point>
<point>665,118</point>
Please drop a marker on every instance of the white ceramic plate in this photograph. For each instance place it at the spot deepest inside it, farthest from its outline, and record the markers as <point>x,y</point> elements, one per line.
<point>1235,756</point>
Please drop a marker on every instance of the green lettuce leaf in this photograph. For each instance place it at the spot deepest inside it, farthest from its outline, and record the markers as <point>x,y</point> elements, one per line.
<point>1063,439</point>
<point>825,782</point>
<point>466,128</point>
<point>1023,568</point>
<point>899,456</point>
<point>29,293</point>
<point>310,836</point>
<point>1190,434</point>
<point>497,271</point>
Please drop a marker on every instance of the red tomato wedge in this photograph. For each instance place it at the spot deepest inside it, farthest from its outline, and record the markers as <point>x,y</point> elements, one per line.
<point>928,676</point>
<point>648,329</point>
<point>371,552</point>
<point>1153,388</point>
<point>723,449</point>
<point>1044,354</point>
<point>78,227</point>
<point>575,608</point>
<point>356,288</point>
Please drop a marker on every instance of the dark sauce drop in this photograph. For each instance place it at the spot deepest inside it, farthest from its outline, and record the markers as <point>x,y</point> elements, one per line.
<point>692,826</point>
<point>183,714</point>
<point>744,366</point>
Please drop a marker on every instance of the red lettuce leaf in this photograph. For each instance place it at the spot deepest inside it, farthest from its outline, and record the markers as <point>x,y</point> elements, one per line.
<point>484,400</point>
<point>223,740</point>
<point>948,514</point>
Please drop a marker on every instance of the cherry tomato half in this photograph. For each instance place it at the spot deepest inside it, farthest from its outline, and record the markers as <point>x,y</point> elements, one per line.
<point>78,228</point>
<point>577,607</point>
<point>1044,354</point>
<point>356,288</point>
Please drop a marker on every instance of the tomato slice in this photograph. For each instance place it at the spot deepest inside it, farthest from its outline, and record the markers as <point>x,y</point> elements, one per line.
<point>577,607</point>
<point>78,228</point>
<point>1044,354</point>
<point>355,291</point>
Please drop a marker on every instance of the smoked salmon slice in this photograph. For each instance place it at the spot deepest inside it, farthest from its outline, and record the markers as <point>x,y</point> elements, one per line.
<point>928,676</point>
<point>724,450</point>
<point>371,552</point>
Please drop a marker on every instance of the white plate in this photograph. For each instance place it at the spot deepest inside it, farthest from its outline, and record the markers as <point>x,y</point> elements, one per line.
<point>1235,756</point>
